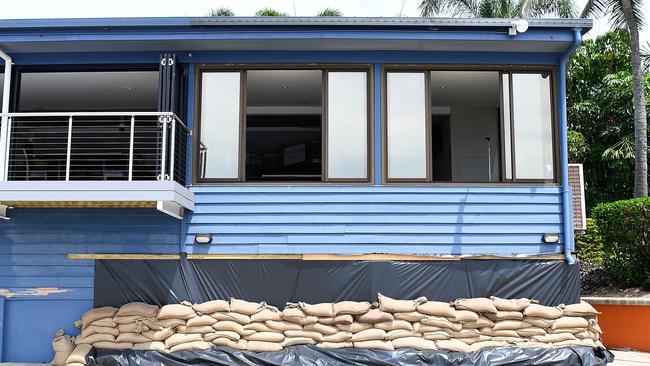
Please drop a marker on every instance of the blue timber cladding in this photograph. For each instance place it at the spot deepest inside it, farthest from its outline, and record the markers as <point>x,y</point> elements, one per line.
<point>37,277</point>
<point>375,219</point>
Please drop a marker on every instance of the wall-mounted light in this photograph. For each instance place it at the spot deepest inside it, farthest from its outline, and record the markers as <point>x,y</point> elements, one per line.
<point>3,211</point>
<point>551,238</point>
<point>203,238</point>
<point>518,26</point>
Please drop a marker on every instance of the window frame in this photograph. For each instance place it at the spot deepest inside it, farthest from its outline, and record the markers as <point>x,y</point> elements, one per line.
<point>242,68</point>
<point>501,69</point>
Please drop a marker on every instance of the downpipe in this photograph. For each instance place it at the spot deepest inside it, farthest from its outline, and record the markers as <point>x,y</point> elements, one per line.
<point>4,128</point>
<point>567,199</point>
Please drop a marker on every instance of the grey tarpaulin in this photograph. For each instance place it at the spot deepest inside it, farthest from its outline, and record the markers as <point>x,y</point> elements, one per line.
<point>278,281</point>
<point>312,355</point>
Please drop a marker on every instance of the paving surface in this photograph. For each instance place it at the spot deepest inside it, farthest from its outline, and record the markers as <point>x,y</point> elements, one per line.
<point>629,358</point>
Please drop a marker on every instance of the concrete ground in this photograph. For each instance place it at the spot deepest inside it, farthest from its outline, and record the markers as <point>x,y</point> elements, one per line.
<point>630,358</point>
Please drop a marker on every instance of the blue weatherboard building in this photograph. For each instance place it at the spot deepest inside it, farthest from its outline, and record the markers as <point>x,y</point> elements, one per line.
<point>272,138</point>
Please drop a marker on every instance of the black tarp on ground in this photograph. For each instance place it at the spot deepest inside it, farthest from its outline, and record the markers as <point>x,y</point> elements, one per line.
<point>161,282</point>
<point>312,355</point>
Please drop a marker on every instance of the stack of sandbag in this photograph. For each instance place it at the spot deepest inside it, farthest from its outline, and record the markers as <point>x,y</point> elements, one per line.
<point>463,325</point>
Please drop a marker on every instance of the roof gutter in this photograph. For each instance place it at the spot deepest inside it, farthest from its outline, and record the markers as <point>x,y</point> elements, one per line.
<point>4,128</point>
<point>567,194</point>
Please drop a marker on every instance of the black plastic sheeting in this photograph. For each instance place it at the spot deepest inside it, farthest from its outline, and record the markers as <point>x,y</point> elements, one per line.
<point>161,282</point>
<point>312,355</point>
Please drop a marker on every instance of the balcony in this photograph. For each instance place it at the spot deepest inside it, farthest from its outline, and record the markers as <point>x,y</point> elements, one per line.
<point>103,159</point>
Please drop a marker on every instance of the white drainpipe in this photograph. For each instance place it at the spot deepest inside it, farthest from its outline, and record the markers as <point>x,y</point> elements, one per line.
<point>4,128</point>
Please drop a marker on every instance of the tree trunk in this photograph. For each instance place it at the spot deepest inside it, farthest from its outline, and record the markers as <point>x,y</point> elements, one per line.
<point>640,118</point>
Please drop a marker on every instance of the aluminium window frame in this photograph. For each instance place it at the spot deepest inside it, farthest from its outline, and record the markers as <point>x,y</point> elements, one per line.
<point>242,68</point>
<point>501,69</point>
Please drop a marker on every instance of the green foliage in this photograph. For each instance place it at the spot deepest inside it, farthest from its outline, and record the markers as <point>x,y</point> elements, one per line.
<point>600,108</point>
<point>268,12</point>
<point>221,12</point>
<point>330,12</point>
<point>589,246</point>
<point>577,146</point>
<point>498,8</point>
<point>625,229</point>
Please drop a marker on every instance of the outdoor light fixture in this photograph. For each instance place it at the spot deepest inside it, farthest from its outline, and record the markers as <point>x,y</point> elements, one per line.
<point>551,238</point>
<point>518,26</point>
<point>3,211</point>
<point>203,238</point>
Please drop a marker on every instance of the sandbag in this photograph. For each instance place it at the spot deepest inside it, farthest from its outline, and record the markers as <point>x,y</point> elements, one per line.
<point>257,346</point>
<point>201,320</point>
<point>395,324</point>
<point>282,326</point>
<point>438,335</point>
<point>176,311</point>
<point>267,337</point>
<point>131,338</point>
<point>138,309</point>
<point>112,345</point>
<point>510,304</point>
<point>296,315</point>
<point>399,333</point>
<point>423,328</point>
<point>321,328</point>
<point>292,341</point>
<point>158,335</point>
<point>539,322</point>
<point>338,319</point>
<point>541,311</point>
<point>153,346</point>
<point>582,309</point>
<point>229,325</point>
<point>191,346</point>
<point>211,306</point>
<point>414,343</point>
<point>453,345</point>
<point>477,305</point>
<point>354,327</point>
<point>266,314</point>
<point>232,316</point>
<point>553,338</point>
<point>137,327</point>
<point>465,316</point>
<point>531,331</point>
<point>63,347</point>
<point>233,336</point>
<point>106,322</point>
<point>94,329</point>
<point>436,308</point>
<point>335,345</point>
<point>94,338</point>
<point>570,322</point>
<point>121,320</point>
<point>240,344</point>
<point>197,329</point>
<point>322,309</point>
<point>179,338</point>
<point>375,344</point>
<point>565,330</point>
<point>304,334</point>
<point>375,316</point>
<point>413,316</point>
<point>338,337</point>
<point>79,354</point>
<point>505,315</point>
<point>441,322</point>
<point>391,305</point>
<point>510,325</point>
<point>464,333</point>
<point>351,307</point>
<point>246,307</point>
<point>258,327</point>
<point>166,323</point>
<point>481,322</point>
<point>105,312</point>
<point>368,335</point>
<point>499,333</point>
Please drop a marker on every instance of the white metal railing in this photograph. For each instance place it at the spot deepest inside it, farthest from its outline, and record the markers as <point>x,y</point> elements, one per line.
<point>94,146</point>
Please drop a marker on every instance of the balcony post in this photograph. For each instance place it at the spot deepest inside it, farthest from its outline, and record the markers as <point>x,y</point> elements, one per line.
<point>163,163</point>
<point>172,145</point>
<point>69,150</point>
<point>131,137</point>
<point>5,143</point>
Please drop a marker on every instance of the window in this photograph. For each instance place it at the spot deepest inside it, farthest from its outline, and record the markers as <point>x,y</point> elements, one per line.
<point>469,126</point>
<point>298,125</point>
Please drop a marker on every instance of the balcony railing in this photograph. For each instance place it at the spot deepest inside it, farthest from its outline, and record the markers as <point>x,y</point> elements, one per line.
<point>79,146</point>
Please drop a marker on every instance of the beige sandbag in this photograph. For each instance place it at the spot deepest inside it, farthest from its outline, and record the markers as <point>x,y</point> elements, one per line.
<point>322,309</point>
<point>375,316</point>
<point>587,334</point>
<point>229,325</point>
<point>176,311</point>
<point>179,338</point>
<point>438,335</point>
<point>368,335</point>
<point>391,305</point>
<point>570,322</point>
<point>131,338</point>
<point>74,364</point>
<point>240,344</point>
<point>201,320</point>
<point>413,316</point>
<point>354,327</point>
<point>595,328</point>
<point>296,315</point>
<point>375,344</point>
<point>338,319</point>
<point>438,321</point>
<point>321,328</point>
<point>423,328</point>
<point>154,346</point>
<point>507,339</point>
<point>210,307</point>
<point>166,323</point>
<point>538,322</point>
<point>465,316</point>
<point>191,346</point>
<point>337,337</point>
<point>158,335</point>
<point>106,322</point>
<point>105,312</point>
<point>304,334</point>
<point>464,333</point>
<point>335,345</point>
<point>79,354</point>
<point>541,311</point>
<point>292,341</point>
<point>436,308</point>
<point>266,314</point>
<point>94,329</point>
<point>414,343</point>
<point>477,305</point>
<point>399,333</point>
<point>198,329</point>
<point>120,320</point>
<point>565,330</point>
<point>351,307</point>
<point>63,347</point>
<point>282,326</point>
<point>233,336</point>
<point>510,304</point>
<point>232,316</point>
<point>258,327</point>
<point>138,309</point>
<point>481,322</point>
<point>112,345</point>
<point>510,325</point>
<point>582,309</point>
<point>499,333</point>
<point>266,337</point>
<point>480,345</point>
<point>395,324</point>
<point>453,345</point>
<point>257,346</point>
<point>531,331</point>
<point>246,307</point>
<point>553,338</point>
<point>481,338</point>
<point>137,327</point>
<point>505,315</point>
<point>94,338</point>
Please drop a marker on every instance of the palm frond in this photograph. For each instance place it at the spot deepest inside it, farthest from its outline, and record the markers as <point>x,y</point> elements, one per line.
<point>622,150</point>
<point>551,8</point>
<point>519,9</point>
<point>453,8</point>
<point>612,10</point>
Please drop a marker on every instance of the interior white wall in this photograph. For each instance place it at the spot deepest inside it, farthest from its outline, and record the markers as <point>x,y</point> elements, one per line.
<point>469,149</point>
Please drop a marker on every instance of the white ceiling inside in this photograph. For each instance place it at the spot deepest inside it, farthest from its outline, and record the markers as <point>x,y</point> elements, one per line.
<point>286,88</point>
<point>465,88</point>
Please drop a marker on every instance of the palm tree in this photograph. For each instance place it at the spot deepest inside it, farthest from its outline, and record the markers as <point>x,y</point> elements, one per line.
<point>628,14</point>
<point>330,12</point>
<point>268,12</point>
<point>498,8</point>
<point>221,12</point>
